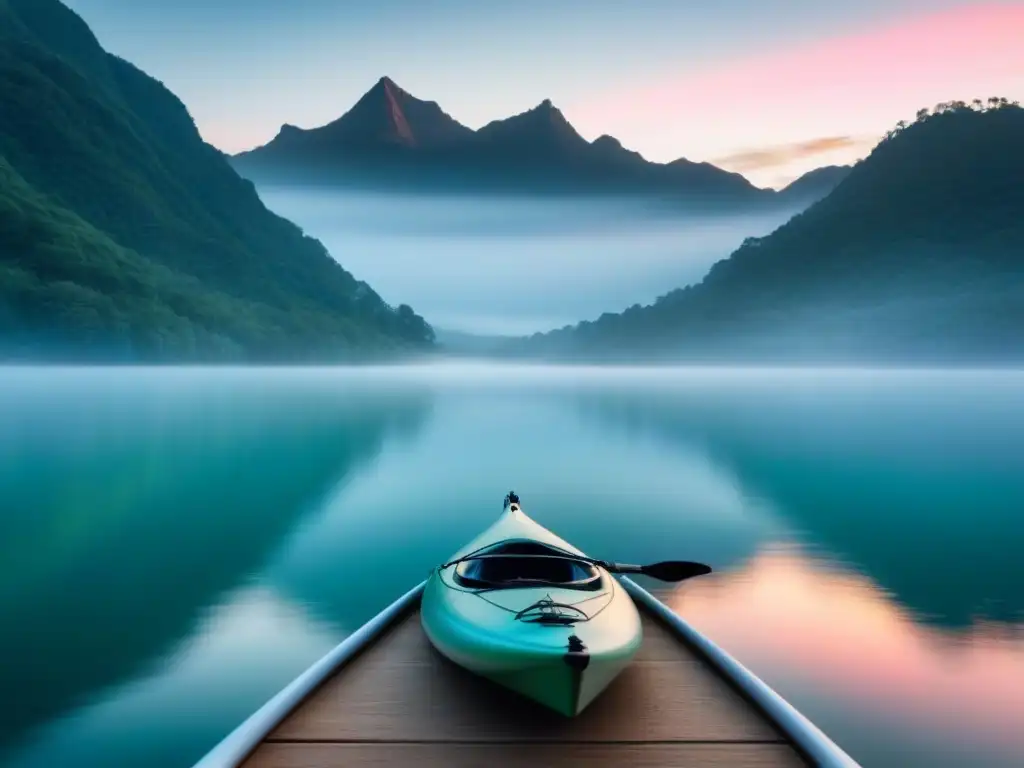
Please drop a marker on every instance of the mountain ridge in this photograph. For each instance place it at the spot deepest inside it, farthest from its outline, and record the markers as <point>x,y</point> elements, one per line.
<point>415,143</point>
<point>913,255</point>
<point>389,115</point>
<point>817,183</point>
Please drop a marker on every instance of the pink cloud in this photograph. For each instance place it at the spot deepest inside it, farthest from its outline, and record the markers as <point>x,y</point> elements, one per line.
<point>784,154</point>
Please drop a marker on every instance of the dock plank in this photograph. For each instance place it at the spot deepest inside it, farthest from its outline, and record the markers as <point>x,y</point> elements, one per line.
<point>401,702</point>
<point>439,755</point>
<point>385,696</point>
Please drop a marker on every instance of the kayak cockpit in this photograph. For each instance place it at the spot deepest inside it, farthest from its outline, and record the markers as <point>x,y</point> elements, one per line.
<point>525,563</point>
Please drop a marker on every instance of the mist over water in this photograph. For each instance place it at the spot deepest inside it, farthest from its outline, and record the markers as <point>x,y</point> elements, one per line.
<point>515,265</point>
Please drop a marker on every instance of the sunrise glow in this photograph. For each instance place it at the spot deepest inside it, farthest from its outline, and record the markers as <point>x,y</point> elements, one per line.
<point>786,616</point>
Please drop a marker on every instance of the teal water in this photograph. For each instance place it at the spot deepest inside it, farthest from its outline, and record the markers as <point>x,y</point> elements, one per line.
<point>177,544</point>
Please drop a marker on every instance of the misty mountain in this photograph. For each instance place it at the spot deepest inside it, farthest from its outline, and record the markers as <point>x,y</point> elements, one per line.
<point>124,236</point>
<point>385,118</point>
<point>390,139</point>
<point>816,184</point>
<point>917,254</point>
<point>462,344</point>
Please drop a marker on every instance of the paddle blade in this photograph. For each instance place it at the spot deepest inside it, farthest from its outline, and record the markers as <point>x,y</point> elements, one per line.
<point>675,570</point>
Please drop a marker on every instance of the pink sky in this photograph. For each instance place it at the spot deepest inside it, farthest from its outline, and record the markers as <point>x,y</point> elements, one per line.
<point>855,86</point>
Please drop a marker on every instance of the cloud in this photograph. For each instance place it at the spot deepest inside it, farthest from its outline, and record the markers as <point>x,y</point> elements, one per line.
<point>784,154</point>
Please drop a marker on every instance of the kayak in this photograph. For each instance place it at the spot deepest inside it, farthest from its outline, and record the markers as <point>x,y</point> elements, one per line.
<point>525,609</point>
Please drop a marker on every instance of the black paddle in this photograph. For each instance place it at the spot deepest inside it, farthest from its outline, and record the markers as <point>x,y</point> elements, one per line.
<point>667,570</point>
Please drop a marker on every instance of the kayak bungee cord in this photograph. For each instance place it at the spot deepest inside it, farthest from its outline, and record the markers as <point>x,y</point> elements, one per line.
<point>548,613</point>
<point>539,603</point>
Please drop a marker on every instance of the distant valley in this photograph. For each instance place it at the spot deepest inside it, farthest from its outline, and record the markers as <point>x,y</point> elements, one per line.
<point>516,264</point>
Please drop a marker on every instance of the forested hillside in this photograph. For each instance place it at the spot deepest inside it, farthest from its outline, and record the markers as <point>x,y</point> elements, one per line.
<point>124,236</point>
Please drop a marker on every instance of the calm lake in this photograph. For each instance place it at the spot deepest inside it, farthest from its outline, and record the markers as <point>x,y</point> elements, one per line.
<point>178,544</point>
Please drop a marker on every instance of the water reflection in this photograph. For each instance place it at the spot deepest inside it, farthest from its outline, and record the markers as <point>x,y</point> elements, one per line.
<point>135,504</point>
<point>912,478</point>
<point>418,505</point>
<point>890,690</point>
<point>241,654</point>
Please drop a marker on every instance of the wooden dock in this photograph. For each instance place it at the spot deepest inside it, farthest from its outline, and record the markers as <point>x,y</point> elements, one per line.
<point>399,702</point>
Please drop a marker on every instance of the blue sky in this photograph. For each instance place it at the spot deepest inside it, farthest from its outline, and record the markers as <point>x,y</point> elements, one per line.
<point>244,67</point>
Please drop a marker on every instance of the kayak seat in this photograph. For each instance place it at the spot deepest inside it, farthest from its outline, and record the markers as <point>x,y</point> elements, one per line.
<point>511,564</point>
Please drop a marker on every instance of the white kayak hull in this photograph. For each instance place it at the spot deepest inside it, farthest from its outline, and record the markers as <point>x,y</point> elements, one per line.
<point>558,645</point>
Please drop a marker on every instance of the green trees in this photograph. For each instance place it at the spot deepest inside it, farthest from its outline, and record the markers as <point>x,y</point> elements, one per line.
<point>124,236</point>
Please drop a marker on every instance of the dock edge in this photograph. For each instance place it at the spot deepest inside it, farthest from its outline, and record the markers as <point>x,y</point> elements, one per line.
<point>232,751</point>
<point>806,737</point>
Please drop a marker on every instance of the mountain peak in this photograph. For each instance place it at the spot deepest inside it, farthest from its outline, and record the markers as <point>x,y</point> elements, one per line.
<point>288,134</point>
<point>547,110</point>
<point>606,141</point>
<point>816,184</point>
<point>389,86</point>
<point>546,113</point>
<point>388,115</point>
<point>544,125</point>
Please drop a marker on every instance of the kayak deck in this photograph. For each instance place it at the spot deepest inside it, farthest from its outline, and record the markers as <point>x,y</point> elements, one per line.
<point>399,702</point>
